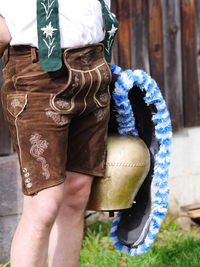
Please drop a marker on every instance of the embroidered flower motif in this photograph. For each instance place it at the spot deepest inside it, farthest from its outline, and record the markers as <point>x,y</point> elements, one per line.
<point>56,117</point>
<point>48,8</point>
<point>62,104</point>
<point>37,149</point>
<point>101,113</point>
<point>106,75</point>
<point>104,98</point>
<point>112,31</point>
<point>50,45</point>
<point>76,82</point>
<point>16,103</point>
<point>48,30</point>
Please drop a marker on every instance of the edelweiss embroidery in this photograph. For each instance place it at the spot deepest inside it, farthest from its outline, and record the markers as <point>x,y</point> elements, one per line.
<point>57,118</point>
<point>106,75</point>
<point>49,29</point>
<point>62,104</point>
<point>111,27</point>
<point>37,149</point>
<point>104,98</point>
<point>101,113</point>
<point>110,39</point>
<point>16,103</point>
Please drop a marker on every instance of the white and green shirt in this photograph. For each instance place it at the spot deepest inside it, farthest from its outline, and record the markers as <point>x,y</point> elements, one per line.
<point>81,21</point>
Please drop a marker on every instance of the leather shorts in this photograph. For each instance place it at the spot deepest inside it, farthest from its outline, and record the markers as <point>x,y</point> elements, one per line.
<point>58,120</point>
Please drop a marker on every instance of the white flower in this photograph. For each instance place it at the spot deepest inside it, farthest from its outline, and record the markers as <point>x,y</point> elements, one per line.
<point>48,30</point>
<point>112,31</point>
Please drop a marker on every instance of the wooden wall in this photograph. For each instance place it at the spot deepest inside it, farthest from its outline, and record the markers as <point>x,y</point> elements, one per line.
<point>163,38</point>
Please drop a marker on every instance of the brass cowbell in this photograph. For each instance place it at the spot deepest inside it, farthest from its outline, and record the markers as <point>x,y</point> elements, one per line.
<point>128,163</point>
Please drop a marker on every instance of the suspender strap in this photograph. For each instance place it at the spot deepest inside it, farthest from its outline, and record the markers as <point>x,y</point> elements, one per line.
<point>48,35</point>
<point>111,28</point>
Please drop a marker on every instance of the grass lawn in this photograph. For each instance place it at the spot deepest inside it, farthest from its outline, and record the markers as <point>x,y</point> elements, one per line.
<point>174,247</point>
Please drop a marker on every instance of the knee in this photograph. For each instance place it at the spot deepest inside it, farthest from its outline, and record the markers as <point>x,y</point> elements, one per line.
<point>77,193</point>
<point>45,213</point>
<point>41,212</point>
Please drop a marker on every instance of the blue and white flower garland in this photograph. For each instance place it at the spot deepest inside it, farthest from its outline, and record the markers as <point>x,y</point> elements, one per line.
<point>163,133</point>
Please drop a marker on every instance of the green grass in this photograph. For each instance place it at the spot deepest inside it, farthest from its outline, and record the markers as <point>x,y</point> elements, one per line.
<point>173,247</point>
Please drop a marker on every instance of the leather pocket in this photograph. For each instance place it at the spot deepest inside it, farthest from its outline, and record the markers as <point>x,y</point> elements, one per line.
<point>16,104</point>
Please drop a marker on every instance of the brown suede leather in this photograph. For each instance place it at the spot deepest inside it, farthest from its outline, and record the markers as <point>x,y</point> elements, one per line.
<point>2,48</point>
<point>58,120</point>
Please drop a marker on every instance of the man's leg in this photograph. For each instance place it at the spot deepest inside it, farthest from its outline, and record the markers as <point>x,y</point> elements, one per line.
<point>67,232</point>
<point>30,242</point>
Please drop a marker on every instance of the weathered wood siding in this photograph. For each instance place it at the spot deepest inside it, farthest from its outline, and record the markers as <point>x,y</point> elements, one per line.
<point>163,38</point>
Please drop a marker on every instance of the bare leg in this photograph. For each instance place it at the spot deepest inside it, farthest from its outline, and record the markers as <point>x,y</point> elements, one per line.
<point>30,242</point>
<point>67,232</point>
<point>5,36</point>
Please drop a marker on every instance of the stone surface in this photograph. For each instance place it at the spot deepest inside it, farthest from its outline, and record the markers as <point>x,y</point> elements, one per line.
<point>10,202</point>
<point>7,229</point>
<point>10,186</point>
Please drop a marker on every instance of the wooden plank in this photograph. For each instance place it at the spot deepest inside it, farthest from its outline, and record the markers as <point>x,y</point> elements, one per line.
<point>189,52</point>
<point>139,35</point>
<point>172,60</point>
<point>197,5</point>
<point>124,37</point>
<point>191,207</point>
<point>194,214</point>
<point>114,9</point>
<point>6,147</point>
<point>156,42</point>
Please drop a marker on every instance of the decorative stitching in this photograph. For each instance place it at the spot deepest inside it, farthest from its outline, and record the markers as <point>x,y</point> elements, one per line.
<point>62,103</point>
<point>56,117</point>
<point>48,8</point>
<point>90,70</point>
<point>16,103</point>
<point>101,113</point>
<point>48,30</point>
<point>104,98</point>
<point>37,149</point>
<point>28,183</point>
<point>84,100</point>
<point>124,164</point>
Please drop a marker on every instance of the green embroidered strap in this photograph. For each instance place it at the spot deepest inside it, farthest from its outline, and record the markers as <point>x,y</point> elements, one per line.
<point>111,27</point>
<point>49,35</point>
